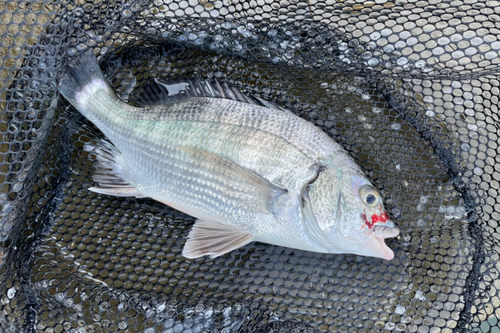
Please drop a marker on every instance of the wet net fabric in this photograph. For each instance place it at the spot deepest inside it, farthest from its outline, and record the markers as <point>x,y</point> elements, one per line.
<point>409,88</point>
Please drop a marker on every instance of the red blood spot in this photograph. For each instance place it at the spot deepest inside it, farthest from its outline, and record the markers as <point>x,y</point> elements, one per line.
<point>382,218</point>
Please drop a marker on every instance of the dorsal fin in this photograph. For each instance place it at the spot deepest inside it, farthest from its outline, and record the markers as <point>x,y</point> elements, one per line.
<point>153,94</point>
<point>158,92</point>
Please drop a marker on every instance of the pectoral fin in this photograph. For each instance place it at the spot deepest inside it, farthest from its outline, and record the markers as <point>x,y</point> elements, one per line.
<point>214,239</point>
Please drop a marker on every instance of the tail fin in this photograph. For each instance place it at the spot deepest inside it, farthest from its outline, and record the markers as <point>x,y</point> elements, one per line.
<point>82,75</point>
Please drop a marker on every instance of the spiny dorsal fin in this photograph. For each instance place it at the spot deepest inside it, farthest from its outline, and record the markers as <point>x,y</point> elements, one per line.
<point>150,95</point>
<point>109,172</point>
<point>214,239</point>
<point>158,92</point>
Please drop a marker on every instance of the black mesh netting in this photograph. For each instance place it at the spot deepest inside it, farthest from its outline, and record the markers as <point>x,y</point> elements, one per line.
<point>408,88</point>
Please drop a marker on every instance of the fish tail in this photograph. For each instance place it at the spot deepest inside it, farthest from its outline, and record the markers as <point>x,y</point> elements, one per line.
<point>81,78</point>
<point>83,84</point>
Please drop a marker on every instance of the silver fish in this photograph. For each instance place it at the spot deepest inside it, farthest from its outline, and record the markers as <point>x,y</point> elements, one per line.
<point>247,169</point>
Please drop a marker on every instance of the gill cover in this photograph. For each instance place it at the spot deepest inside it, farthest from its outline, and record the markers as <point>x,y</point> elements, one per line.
<point>313,233</point>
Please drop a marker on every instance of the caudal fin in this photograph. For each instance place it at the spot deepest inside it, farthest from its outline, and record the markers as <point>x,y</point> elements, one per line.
<point>81,74</point>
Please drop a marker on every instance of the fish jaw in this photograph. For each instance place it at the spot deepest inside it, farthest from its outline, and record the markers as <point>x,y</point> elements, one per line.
<point>369,241</point>
<point>376,246</point>
<point>382,228</point>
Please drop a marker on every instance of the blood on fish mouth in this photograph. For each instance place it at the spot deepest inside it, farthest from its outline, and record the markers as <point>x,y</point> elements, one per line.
<point>380,218</point>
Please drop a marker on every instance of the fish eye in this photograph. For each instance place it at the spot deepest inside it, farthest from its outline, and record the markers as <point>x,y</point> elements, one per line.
<point>370,199</point>
<point>369,195</point>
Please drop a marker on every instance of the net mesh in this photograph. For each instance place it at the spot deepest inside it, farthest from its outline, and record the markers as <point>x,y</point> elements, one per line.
<point>408,88</point>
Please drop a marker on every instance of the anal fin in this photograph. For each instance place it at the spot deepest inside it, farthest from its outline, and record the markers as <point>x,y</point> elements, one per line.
<point>109,173</point>
<point>118,191</point>
<point>214,239</point>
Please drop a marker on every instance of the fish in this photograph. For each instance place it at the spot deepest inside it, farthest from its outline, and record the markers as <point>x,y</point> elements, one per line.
<point>247,169</point>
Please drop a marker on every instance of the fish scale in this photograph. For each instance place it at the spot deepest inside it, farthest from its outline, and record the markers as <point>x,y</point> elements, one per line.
<point>247,169</point>
<point>149,151</point>
<point>241,116</point>
<point>261,155</point>
<point>316,144</point>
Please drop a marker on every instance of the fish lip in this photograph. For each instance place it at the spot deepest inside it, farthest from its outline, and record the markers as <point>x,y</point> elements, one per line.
<point>388,223</point>
<point>381,233</point>
<point>386,231</point>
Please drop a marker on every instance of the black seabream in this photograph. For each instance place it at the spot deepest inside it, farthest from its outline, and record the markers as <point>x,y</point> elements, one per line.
<point>247,169</point>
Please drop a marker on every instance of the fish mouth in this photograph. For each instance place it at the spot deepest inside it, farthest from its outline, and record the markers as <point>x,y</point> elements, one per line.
<point>386,231</point>
<point>381,233</point>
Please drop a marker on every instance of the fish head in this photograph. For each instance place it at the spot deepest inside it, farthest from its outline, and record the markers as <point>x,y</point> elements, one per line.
<point>351,214</point>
